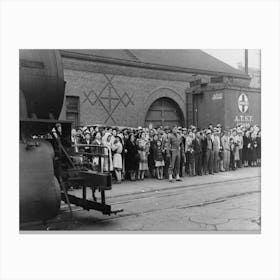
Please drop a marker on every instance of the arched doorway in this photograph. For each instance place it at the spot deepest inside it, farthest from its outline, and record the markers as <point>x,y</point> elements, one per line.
<point>164,112</point>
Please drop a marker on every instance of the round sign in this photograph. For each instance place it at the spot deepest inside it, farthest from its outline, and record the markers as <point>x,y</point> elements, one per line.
<point>243,103</point>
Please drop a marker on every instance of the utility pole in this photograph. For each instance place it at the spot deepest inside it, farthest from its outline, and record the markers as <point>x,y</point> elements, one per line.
<point>246,61</point>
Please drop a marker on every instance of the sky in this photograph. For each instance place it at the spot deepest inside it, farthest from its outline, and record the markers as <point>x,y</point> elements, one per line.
<point>233,56</point>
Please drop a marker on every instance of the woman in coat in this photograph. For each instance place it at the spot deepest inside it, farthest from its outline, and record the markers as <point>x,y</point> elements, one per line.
<point>151,161</point>
<point>143,150</point>
<point>131,157</point>
<point>254,151</point>
<point>246,149</point>
<point>117,148</point>
<point>108,162</point>
<point>96,142</point>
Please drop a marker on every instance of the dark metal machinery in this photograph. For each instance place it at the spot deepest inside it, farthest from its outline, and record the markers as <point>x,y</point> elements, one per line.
<point>47,167</point>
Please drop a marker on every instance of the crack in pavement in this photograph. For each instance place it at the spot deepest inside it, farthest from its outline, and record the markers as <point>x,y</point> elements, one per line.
<point>209,224</point>
<point>141,213</point>
<point>160,194</point>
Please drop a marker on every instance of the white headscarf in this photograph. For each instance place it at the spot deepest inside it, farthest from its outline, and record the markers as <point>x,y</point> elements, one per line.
<point>105,137</point>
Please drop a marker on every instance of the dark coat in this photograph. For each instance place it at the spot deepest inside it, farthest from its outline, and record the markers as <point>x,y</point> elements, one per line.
<point>246,152</point>
<point>196,146</point>
<point>131,156</point>
<point>254,147</point>
<point>203,144</point>
<point>151,161</point>
<point>158,154</point>
<point>259,147</point>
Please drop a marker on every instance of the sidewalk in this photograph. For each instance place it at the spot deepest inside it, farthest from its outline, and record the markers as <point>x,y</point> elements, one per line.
<point>150,184</point>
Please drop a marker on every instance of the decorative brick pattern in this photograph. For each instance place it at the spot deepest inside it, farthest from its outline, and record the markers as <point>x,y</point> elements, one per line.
<point>113,94</point>
<point>118,99</point>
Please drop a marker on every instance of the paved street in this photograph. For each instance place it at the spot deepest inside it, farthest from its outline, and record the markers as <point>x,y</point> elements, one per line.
<point>224,202</point>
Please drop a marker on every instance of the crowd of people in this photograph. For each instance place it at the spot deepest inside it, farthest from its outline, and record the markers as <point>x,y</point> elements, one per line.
<point>170,153</point>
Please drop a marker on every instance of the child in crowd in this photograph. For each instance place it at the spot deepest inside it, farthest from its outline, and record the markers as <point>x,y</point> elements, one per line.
<point>132,151</point>
<point>159,162</point>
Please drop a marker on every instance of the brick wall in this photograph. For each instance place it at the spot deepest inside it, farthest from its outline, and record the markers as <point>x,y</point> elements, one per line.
<point>131,96</point>
<point>114,95</point>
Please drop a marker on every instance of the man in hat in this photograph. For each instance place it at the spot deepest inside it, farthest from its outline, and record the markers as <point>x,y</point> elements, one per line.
<point>209,153</point>
<point>174,153</point>
<point>216,150</point>
<point>79,135</point>
<point>196,143</point>
<point>203,143</point>
<point>188,143</point>
<point>183,148</point>
<point>86,141</point>
<point>166,156</point>
<point>226,149</point>
<point>240,137</point>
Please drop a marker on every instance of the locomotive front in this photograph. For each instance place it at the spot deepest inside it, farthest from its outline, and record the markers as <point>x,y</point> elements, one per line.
<point>47,165</point>
<point>41,100</point>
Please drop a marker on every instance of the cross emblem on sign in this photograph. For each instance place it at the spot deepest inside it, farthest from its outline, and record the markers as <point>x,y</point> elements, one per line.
<point>243,103</point>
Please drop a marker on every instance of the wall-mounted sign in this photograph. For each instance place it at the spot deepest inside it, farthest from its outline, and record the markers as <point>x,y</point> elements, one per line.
<point>243,120</point>
<point>243,103</point>
<point>217,96</point>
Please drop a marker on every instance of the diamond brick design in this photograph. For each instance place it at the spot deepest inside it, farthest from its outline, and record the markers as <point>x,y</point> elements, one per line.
<point>107,101</point>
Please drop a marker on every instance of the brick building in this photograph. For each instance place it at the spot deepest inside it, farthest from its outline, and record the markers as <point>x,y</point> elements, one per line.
<point>163,87</point>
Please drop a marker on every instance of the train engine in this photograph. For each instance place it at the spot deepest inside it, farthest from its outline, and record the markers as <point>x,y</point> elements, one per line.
<point>48,164</point>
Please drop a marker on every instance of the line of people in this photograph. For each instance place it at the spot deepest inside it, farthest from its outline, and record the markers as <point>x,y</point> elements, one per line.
<point>163,152</point>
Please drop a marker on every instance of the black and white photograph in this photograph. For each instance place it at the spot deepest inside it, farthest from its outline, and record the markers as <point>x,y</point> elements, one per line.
<point>140,140</point>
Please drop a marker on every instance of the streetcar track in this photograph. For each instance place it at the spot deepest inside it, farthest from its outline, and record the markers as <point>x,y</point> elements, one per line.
<point>163,194</point>
<point>218,200</point>
<point>139,213</point>
<point>201,185</point>
<point>144,195</point>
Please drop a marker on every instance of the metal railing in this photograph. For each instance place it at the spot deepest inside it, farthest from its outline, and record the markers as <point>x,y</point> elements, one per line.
<point>99,152</point>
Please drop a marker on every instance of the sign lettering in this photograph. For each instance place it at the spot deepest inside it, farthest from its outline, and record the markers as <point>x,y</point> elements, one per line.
<point>217,96</point>
<point>243,120</point>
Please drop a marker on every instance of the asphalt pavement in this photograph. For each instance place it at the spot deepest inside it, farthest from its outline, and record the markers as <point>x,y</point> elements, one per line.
<point>224,202</point>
